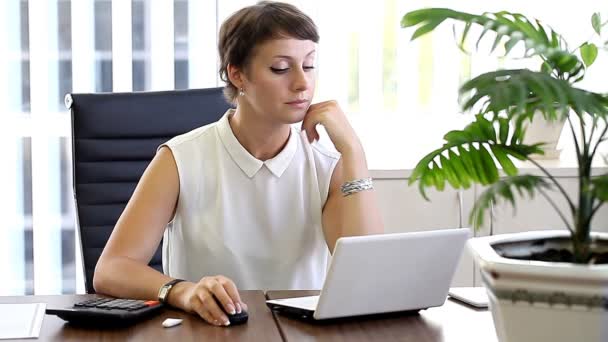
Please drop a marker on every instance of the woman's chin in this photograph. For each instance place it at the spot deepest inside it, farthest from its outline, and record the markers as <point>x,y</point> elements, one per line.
<point>294,116</point>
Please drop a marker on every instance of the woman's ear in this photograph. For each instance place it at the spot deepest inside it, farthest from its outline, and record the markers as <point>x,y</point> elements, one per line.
<point>235,75</point>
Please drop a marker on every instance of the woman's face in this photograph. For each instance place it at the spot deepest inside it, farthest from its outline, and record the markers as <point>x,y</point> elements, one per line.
<point>279,81</point>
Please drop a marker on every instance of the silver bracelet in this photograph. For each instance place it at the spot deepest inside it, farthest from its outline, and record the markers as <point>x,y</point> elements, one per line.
<point>354,186</point>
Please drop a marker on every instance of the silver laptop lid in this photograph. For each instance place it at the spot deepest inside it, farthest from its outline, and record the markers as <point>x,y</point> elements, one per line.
<point>390,272</point>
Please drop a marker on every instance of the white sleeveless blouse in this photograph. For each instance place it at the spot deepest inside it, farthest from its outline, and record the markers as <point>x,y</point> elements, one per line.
<point>255,222</point>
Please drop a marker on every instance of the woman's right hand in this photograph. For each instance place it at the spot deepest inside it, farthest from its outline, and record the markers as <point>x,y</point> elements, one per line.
<point>200,298</point>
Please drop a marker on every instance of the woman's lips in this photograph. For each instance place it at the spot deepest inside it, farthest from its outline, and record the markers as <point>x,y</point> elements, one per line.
<point>298,103</point>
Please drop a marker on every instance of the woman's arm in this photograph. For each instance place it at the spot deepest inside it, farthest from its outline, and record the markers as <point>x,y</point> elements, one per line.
<point>355,214</point>
<point>122,269</point>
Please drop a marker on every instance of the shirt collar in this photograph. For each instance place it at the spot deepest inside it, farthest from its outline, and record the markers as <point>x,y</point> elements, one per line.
<point>248,163</point>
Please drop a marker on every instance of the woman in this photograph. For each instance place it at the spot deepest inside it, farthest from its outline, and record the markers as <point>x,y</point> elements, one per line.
<point>248,202</point>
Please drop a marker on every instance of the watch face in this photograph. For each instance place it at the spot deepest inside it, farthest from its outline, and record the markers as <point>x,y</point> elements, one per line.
<point>163,293</point>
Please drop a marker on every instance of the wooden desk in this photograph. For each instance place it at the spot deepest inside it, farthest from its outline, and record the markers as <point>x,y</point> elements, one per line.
<point>261,325</point>
<point>450,322</point>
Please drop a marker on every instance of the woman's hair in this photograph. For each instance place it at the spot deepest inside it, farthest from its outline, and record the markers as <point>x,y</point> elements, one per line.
<point>253,25</point>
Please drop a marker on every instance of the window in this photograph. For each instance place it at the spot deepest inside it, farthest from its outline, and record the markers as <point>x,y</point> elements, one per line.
<point>401,96</point>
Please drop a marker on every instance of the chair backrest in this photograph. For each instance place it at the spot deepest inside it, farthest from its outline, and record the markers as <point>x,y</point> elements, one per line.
<point>114,138</point>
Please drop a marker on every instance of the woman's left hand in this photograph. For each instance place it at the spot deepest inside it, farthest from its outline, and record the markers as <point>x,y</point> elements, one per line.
<point>330,115</point>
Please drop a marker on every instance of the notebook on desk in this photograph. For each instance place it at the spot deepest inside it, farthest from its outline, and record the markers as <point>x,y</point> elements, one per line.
<point>385,273</point>
<point>21,320</point>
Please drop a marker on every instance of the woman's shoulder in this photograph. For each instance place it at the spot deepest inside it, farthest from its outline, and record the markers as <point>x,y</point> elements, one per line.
<point>198,135</point>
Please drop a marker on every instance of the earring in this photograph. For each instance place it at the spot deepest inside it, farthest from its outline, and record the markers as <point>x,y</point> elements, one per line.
<point>241,92</point>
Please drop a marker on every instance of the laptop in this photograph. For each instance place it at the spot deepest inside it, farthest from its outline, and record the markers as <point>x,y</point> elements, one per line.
<point>381,274</point>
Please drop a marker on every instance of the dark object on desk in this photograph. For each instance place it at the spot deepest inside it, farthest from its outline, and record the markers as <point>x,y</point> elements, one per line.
<point>107,312</point>
<point>238,318</point>
<point>114,138</point>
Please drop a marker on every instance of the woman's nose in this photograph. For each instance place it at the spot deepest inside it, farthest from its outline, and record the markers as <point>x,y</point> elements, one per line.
<point>301,81</point>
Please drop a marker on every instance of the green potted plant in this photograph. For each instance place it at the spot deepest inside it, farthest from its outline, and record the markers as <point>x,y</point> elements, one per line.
<point>549,285</point>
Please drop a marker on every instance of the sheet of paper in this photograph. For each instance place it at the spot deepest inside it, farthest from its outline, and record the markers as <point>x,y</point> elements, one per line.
<point>21,320</point>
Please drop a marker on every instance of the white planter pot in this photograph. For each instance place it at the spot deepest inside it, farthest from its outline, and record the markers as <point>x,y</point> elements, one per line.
<point>543,131</point>
<point>543,301</point>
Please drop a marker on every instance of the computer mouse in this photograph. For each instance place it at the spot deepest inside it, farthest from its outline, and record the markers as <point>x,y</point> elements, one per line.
<point>237,318</point>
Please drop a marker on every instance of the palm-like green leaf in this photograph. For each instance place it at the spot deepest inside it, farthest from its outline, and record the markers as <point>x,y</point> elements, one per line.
<point>600,187</point>
<point>504,189</point>
<point>510,28</point>
<point>522,92</point>
<point>473,155</point>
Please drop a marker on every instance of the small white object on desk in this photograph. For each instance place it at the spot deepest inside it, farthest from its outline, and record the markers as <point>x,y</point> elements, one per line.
<point>475,296</point>
<point>171,322</point>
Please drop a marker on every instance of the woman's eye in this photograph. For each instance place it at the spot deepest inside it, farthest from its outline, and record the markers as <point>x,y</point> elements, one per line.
<point>278,70</point>
<point>284,70</point>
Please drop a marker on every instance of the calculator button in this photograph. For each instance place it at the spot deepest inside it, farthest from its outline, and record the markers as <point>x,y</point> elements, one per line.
<point>134,306</point>
<point>99,302</point>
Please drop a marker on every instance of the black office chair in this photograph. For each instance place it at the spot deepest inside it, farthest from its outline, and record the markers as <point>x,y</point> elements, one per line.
<point>114,137</point>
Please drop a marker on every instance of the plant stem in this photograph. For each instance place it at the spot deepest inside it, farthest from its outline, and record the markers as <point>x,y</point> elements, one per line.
<point>561,189</point>
<point>595,209</point>
<point>592,131</point>
<point>584,212</point>
<point>581,122</point>
<point>557,210</point>
<point>599,141</point>
<point>581,249</point>
<point>576,145</point>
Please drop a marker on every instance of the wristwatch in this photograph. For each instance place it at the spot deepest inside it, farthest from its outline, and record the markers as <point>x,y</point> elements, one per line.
<point>163,293</point>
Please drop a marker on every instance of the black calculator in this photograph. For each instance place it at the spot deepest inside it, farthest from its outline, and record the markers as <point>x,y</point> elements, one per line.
<point>107,312</point>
